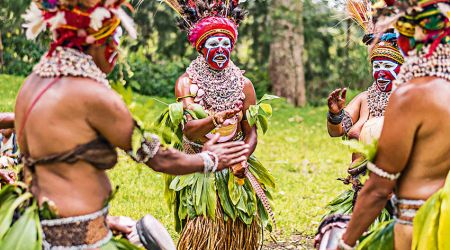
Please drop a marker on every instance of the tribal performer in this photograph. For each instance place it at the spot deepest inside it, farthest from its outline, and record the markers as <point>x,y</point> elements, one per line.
<point>232,209</point>
<point>362,119</point>
<point>412,158</point>
<point>69,124</point>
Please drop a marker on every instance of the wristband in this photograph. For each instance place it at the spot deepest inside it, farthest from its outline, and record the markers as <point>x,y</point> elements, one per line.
<point>335,119</point>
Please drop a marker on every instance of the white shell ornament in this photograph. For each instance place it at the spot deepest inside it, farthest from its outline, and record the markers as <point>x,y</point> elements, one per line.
<point>193,89</point>
<point>200,92</point>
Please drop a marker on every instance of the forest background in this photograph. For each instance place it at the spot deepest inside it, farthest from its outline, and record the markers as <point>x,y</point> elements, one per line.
<point>300,50</point>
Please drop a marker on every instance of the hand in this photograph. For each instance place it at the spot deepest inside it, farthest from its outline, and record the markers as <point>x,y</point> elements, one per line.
<point>240,169</point>
<point>227,114</point>
<point>336,100</point>
<point>7,176</point>
<point>120,224</point>
<point>229,153</point>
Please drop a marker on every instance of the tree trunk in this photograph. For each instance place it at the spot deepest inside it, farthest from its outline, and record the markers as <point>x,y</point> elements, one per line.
<point>286,51</point>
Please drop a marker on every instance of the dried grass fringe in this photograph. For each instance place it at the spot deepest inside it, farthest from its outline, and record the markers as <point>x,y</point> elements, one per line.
<point>206,234</point>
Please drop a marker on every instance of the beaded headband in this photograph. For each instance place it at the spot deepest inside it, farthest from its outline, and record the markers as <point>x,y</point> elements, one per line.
<point>386,50</point>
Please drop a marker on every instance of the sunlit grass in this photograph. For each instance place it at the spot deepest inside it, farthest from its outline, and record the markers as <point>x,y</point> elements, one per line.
<point>297,150</point>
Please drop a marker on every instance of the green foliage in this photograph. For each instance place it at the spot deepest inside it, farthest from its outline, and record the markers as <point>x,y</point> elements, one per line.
<point>261,113</point>
<point>333,58</point>
<point>297,150</point>
<point>382,238</point>
<point>26,232</point>
<point>368,150</point>
<point>432,221</point>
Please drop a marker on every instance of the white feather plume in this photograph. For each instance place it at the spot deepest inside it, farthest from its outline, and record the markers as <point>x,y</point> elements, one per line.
<point>126,21</point>
<point>58,20</point>
<point>97,17</point>
<point>445,9</point>
<point>34,21</point>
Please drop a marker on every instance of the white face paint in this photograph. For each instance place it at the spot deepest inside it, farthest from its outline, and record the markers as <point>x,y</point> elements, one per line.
<point>384,72</point>
<point>219,48</point>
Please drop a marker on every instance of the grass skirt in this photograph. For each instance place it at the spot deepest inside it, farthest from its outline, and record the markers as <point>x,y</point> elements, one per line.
<point>204,233</point>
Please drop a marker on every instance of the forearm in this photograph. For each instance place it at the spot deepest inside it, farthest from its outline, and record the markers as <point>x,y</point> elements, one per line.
<point>171,161</point>
<point>251,137</point>
<point>6,120</point>
<point>369,204</point>
<point>335,130</point>
<point>197,129</point>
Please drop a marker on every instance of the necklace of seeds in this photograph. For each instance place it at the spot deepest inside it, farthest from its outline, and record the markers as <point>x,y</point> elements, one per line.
<point>69,62</point>
<point>377,101</point>
<point>418,65</point>
<point>222,89</point>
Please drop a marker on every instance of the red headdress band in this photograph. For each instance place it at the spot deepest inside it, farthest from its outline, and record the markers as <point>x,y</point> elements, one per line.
<point>210,26</point>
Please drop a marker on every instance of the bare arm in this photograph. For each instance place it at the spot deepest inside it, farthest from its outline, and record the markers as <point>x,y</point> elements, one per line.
<point>193,129</point>
<point>392,156</point>
<point>251,136</point>
<point>6,120</point>
<point>336,102</point>
<point>110,117</point>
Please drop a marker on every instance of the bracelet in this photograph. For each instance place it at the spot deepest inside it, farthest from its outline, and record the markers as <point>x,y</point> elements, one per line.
<point>335,119</point>
<point>343,245</point>
<point>208,163</point>
<point>214,121</point>
<point>216,160</point>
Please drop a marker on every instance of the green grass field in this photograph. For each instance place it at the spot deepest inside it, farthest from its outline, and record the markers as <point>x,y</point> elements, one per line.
<point>297,150</point>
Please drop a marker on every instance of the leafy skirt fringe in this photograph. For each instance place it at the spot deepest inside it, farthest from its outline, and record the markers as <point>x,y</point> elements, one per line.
<point>207,234</point>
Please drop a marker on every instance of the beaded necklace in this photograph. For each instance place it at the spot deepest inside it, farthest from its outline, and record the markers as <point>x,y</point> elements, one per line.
<point>69,62</point>
<point>217,90</point>
<point>377,101</point>
<point>417,64</point>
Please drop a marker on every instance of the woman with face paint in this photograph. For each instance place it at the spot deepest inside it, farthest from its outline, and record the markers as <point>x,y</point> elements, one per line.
<point>362,119</point>
<point>236,204</point>
<point>412,156</point>
<point>69,125</point>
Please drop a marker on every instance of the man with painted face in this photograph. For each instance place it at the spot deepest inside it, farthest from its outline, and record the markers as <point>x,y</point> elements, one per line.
<point>213,83</point>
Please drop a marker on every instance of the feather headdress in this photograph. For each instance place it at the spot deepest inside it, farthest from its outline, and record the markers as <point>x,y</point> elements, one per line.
<point>360,11</point>
<point>77,22</point>
<point>202,18</point>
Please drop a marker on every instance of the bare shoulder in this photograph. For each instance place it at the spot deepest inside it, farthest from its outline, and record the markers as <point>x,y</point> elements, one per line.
<point>425,93</point>
<point>182,86</point>
<point>361,96</point>
<point>96,98</point>
<point>248,84</point>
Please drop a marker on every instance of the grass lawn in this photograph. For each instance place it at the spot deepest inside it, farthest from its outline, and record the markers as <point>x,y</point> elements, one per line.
<point>297,150</point>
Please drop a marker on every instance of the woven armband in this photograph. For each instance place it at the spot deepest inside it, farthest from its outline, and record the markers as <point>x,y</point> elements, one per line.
<point>335,119</point>
<point>380,172</point>
<point>347,122</point>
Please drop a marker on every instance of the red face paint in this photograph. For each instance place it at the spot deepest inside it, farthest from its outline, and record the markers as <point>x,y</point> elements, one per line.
<point>217,51</point>
<point>384,73</point>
